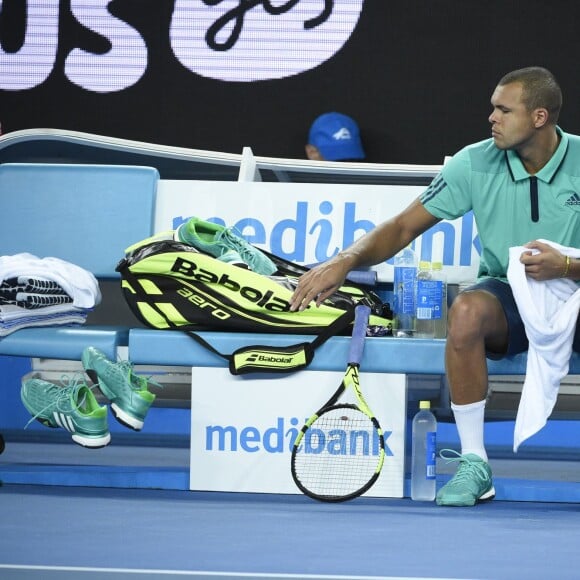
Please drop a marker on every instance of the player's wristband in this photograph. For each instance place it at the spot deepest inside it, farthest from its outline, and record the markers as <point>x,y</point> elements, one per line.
<point>567,268</point>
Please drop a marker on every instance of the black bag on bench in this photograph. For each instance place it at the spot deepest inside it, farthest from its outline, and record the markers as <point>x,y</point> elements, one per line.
<point>171,285</point>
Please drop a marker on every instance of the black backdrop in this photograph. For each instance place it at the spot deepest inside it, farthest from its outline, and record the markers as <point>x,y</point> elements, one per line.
<point>416,74</point>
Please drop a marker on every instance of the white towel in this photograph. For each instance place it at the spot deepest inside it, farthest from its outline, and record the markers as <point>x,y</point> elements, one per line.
<point>80,284</point>
<point>549,310</point>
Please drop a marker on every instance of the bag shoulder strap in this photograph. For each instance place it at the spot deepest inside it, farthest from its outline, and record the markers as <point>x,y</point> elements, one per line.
<point>277,359</point>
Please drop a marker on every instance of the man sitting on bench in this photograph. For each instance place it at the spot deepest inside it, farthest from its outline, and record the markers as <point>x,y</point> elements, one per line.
<point>522,185</point>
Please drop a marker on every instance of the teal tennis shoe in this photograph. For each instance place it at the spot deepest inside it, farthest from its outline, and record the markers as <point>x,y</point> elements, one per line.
<point>128,393</point>
<point>232,257</point>
<point>217,240</point>
<point>72,407</point>
<point>471,483</point>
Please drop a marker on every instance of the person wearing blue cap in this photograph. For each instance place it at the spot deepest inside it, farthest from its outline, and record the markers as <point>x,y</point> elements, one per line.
<point>334,137</point>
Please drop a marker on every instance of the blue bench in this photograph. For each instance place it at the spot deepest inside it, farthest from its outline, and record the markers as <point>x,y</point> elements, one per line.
<point>422,360</point>
<point>381,354</point>
<point>86,215</point>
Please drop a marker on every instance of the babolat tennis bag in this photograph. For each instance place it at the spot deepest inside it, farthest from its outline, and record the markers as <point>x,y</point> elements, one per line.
<point>171,285</point>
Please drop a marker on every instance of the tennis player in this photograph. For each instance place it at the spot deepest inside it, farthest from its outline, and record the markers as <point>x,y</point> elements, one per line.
<point>523,185</point>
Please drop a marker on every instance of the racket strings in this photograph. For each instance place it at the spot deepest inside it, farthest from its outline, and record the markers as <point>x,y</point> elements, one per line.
<point>340,453</point>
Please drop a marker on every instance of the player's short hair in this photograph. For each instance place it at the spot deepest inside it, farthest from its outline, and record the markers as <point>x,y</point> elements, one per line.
<point>540,89</point>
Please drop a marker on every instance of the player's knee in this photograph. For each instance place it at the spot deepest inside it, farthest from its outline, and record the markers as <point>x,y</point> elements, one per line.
<point>466,318</point>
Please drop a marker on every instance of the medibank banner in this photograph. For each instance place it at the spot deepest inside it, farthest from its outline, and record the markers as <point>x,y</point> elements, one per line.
<point>243,429</point>
<point>310,223</point>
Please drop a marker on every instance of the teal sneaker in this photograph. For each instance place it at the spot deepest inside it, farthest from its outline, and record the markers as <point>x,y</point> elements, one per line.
<point>128,393</point>
<point>216,240</point>
<point>471,483</point>
<point>71,406</point>
<point>232,257</point>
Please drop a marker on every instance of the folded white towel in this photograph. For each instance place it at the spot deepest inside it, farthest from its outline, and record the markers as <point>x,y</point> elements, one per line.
<point>80,284</point>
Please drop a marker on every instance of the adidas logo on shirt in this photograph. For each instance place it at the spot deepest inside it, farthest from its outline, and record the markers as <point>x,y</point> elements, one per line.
<point>574,199</point>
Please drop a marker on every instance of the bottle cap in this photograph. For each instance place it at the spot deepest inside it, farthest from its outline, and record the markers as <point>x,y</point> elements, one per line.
<point>424,404</point>
<point>437,265</point>
<point>424,265</point>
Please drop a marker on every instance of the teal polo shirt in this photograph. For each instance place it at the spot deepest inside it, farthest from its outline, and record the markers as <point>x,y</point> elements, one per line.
<point>510,206</point>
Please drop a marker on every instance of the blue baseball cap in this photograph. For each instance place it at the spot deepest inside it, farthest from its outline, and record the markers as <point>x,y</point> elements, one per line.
<point>337,137</point>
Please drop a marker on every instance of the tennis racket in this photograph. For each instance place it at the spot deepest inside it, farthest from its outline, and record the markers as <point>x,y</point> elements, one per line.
<point>339,453</point>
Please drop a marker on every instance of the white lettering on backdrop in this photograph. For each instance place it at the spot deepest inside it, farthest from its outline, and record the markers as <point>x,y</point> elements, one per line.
<point>229,40</point>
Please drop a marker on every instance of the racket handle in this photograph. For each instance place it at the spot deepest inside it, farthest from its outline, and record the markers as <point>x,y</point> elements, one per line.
<point>367,277</point>
<point>359,333</point>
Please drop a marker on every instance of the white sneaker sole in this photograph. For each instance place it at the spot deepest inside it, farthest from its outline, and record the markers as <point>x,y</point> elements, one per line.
<point>125,418</point>
<point>92,442</point>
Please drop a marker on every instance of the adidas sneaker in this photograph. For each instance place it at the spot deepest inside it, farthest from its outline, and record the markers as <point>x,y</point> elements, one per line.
<point>128,393</point>
<point>217,240</point>
<point>72,407</point>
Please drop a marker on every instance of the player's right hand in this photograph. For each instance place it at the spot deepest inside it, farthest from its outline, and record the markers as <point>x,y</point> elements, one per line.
<point>318,284</point>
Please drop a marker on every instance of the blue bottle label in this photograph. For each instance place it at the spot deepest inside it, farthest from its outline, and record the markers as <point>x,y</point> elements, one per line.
<point>431,454</point>
<point>429,299</point>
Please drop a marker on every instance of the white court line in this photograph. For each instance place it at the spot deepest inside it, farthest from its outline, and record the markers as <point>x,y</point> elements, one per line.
<point>213,574</point>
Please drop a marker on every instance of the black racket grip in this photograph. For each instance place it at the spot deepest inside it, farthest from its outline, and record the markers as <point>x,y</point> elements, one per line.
<point>359,332</point>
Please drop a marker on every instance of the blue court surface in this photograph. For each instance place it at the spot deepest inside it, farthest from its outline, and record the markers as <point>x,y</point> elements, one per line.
<point>54,532</point>
<point>123,512</point>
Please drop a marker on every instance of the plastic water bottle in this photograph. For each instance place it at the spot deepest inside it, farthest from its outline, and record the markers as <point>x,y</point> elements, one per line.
<point>440,305</point>
<point>404,292</point>
<point>425,323</point>
<point>440,292</point>
<point>431,301</point>
<point>423,455</point>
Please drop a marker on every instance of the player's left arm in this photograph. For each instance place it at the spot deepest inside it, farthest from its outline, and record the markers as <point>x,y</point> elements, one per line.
<point>548,263</point>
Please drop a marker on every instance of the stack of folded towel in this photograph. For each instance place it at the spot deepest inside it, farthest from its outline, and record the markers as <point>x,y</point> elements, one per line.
<point>44,292</point>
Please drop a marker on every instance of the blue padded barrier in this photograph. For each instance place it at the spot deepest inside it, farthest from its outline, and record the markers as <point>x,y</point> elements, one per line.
<point>382,354</point>
<point>63,342</point>
<point>84,214</point>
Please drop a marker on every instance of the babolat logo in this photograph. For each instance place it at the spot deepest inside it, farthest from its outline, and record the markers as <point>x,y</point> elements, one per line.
<point>286,359</point>
<point>267,300</point>
<point>268,358</point>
